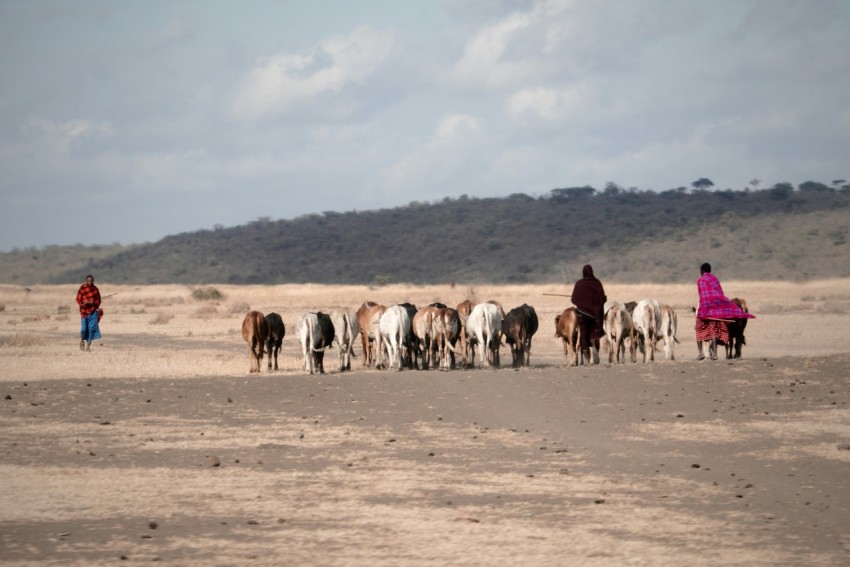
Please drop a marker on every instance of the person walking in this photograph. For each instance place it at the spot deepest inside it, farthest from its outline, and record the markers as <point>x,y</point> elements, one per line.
<point>88,298</point>
<point>589,298</point>
<point>714,311</point>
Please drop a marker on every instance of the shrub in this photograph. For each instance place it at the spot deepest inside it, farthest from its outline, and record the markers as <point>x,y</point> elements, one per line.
<point>207,294</point>
<point>238,308</point>
<point>19,340</point>
<point>161,319</point>
<point>205,312</point>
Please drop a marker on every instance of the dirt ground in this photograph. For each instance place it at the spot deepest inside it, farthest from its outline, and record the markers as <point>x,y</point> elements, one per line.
<point>158,446</point>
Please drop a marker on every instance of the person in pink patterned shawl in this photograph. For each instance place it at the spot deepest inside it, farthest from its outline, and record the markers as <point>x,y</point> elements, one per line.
<point>714,311</point>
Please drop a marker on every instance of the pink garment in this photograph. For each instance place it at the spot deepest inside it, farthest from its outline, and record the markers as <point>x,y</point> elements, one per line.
<point>713,304</point>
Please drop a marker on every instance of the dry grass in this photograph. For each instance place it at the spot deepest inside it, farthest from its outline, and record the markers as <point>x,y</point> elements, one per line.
<point>183,338</point>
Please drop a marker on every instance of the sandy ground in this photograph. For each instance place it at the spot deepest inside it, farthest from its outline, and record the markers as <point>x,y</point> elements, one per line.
<point>158,446</point>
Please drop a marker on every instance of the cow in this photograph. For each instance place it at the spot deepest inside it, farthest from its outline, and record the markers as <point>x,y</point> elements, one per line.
<point>667,330</point>
<point>518,327</point>
<point>464,308</point>
<point>276,332</point>
<point>315,334</point>
<point>647,324</point>
<point>367,335</point>
<point>446,332</point>
<point>484,326</point>
<point>394,327</point>
<point>566,327</point>
<point>346,329</point>
<point>254,332</point>
<point>736,331</point>
<point>423,330</point>
<point>411,351</point>
<point>618,327</point>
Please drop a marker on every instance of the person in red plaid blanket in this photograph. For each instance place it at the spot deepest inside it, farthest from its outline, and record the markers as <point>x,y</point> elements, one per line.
<point>714,311</point>
<point>88,298</point>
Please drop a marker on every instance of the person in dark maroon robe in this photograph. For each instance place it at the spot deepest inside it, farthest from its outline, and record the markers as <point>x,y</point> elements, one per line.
<point>589,299</point>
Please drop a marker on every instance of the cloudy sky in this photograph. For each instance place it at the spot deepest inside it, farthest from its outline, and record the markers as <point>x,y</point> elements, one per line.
<point>126,121</point>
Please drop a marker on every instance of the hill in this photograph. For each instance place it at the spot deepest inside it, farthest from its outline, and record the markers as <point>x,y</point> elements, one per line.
<point>629,236</point>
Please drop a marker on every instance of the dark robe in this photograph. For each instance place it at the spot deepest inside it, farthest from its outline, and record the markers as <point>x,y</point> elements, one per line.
<point>589,299</point>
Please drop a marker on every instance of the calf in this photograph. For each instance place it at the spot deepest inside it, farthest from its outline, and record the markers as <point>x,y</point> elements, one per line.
<point>276,332</point>
<point>254,332</point>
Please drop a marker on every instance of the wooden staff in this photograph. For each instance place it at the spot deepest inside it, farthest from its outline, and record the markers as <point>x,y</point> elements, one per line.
<point>558,294</point>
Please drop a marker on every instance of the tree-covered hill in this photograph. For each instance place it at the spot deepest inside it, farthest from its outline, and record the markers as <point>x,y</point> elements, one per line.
<point>629,236</point>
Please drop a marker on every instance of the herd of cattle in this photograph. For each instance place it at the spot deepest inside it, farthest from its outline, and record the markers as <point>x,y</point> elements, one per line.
<point>437,336</point>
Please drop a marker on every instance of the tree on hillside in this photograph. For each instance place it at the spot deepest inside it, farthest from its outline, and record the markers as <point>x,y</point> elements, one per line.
<point>807,186</point>
<point>561,195</point>
<point>781,191</point>
<point>612,188</point>
<point>702,184</point>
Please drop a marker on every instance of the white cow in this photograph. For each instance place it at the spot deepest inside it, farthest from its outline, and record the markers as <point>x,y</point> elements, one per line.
<point>484,326</point>
<point>346,329</point>
<point>618,327</point>
<point>309,332</point>
<point>647,324</point>
<point>394,327</point>
<point>667,330</point>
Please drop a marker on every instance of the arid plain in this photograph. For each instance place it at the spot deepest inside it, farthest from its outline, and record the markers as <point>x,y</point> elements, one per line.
<point>159,446</point>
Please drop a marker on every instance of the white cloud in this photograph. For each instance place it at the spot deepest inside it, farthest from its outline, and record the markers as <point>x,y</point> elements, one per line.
<point>284,80</point>
<point>439,156</point>
<point>546,103</point>
<point>455,125</point>
<point>521,47</point>
<point>62,135</point>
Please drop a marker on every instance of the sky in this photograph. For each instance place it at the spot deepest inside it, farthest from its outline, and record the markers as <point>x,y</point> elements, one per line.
<point>128,121</point>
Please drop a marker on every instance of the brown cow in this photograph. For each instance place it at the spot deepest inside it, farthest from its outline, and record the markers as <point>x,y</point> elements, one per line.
<point>464,308</point>
<point>566,327</point>
<point>423,330</point>
<point>255,332</point>
<point>446,331</point>
<point>362,322</point>
<point>369,317</point>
